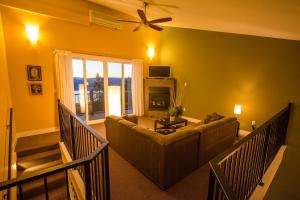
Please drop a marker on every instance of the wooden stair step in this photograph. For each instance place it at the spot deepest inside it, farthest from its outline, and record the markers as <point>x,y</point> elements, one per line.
<point>39,155</point>
<point>56,188</point>
<point>40,167</point>
<point>31,163</point>
<point>35,150</point>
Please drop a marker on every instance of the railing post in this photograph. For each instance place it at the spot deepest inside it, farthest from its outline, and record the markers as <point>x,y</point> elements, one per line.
<point>88,189</point>
<point>9,149</point>
<point>73,137</point>
<point>266,144</point>
<point>60,120</point>
<point>211,186</point>
<point>287,122</point>
<point>106,167</point>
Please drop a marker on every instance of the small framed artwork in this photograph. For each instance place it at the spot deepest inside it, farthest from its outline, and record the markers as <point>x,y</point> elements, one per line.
<point>35,88</point>
<point>34,73</point>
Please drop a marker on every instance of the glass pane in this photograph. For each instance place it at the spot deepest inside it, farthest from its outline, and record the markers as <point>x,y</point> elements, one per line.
<point>128,93</point>
<point>78,82</point>
<point>114,88</point>
<point>95,89</point>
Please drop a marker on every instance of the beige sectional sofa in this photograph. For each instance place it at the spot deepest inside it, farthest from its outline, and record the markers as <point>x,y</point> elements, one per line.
<point>165,159</point>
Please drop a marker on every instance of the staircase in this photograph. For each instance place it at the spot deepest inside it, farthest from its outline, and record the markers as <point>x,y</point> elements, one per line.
<point>35,153</point>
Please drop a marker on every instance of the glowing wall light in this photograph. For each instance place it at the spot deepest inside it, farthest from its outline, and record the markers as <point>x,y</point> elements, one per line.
<point>151,52</point>
<point>32,33</point>
<point>237,109</point>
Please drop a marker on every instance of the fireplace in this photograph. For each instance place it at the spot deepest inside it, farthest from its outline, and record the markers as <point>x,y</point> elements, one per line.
<point>158,93</point>
<point>159,98</point>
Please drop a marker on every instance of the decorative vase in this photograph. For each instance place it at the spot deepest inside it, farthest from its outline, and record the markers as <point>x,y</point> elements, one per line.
<point>172,118</point>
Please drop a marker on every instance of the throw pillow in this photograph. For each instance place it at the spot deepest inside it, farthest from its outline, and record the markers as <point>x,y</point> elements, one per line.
<point>212,117</point>
<point>131,118</point>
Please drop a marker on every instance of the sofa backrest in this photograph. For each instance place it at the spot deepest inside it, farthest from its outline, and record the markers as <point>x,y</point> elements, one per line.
<point>162,158</point>
<point>215,137</point>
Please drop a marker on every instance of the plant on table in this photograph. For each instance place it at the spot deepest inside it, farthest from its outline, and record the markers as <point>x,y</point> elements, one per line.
<point>176,108</point>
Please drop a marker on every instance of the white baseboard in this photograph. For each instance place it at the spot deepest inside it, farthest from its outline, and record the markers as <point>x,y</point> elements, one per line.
<point>192,119</point>
<point>36,132</point>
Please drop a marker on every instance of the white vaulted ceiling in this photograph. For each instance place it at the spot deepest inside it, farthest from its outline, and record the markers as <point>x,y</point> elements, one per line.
<point>270,18</point>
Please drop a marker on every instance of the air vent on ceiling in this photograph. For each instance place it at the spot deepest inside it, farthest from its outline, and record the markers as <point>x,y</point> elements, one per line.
<point>102,19</point>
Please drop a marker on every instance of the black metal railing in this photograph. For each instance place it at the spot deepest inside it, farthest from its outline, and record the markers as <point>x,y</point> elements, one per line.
<point>9,155</point>
<point>236,173</point>
<point>80,141</point>
<point>90,157</point>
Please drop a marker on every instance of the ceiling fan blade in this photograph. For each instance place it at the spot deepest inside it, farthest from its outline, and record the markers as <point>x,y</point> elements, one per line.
<point>164,10</point>
<point>129,21</point>
<point>138,28</point>
<point>155,27</point>
<point>142,15</point>
<point>166,19</point>
<point>150,2</point>
<point>163,5</point>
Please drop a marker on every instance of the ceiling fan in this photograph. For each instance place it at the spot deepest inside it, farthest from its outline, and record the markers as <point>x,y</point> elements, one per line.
<point>145,22</point>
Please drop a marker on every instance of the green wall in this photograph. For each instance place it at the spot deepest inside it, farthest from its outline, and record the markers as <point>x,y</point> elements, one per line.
<point>223,69</point>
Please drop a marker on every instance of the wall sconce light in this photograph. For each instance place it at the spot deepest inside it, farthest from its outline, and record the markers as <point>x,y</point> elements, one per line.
<point>237,109</point>
<point>151,52</point>
<point>32,33</point>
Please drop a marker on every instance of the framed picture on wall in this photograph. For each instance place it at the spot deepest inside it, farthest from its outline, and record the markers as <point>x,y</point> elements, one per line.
<point>35,88</point>
<point>34,73</point>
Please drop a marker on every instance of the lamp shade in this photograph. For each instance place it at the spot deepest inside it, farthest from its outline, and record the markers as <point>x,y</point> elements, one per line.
<point>237,109</point>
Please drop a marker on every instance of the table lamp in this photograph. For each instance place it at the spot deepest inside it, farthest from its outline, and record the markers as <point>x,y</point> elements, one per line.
<point>237,109</point>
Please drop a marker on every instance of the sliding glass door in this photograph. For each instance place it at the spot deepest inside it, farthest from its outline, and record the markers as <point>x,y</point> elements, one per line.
<point>114,88</point>
<point>78,81</point>
<point>127,77</point>
<point>95,90</point>
<point>101,87</point>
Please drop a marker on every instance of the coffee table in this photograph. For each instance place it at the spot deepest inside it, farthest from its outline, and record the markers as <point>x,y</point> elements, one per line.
<point>166,123</point>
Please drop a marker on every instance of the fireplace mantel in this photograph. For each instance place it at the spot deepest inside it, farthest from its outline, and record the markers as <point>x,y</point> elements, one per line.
<point>157,83</point>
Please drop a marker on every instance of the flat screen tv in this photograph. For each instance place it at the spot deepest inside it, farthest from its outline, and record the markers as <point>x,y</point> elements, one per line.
<point>159,71</point>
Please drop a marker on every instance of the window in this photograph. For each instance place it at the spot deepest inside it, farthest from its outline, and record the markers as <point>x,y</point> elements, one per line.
<point>101,87</point>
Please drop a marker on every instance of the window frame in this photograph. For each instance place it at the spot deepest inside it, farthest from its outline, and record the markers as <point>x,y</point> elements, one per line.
<point>105,61</point>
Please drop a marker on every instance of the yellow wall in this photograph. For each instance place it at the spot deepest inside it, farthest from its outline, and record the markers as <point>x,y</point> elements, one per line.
<point>4,106</point>
<point>39,112</point>
<point>222,69</point>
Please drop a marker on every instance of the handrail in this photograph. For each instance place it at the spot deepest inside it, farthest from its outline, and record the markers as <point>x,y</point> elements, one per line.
<point>95,134</point>
<point>49,171</point>
<point>222,156</point>
<point>89,165</point>
<point>256,151</point>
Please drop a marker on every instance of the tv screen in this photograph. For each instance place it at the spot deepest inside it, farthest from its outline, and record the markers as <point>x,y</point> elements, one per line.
<point>159,71</point>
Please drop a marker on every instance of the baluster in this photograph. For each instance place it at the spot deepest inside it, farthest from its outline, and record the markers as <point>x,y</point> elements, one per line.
<point>20,192</point>
<point>67,184</point>
<point>46,188</point>
<point>106,169</point>
<point>88,194</point>
<point>73,137</point>
<point>266,144</point>
<point>211,185</point>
